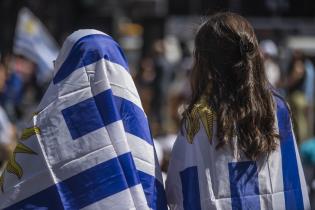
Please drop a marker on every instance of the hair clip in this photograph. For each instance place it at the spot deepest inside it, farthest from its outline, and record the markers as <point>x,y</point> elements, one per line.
<point>245,46</point>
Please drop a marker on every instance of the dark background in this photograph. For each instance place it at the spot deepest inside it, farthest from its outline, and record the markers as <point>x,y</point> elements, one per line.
<point>63,17</point>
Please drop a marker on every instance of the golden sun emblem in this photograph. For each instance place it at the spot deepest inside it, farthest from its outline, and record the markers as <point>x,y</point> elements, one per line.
<point>30,27</point>
<point>201,111</point>
<point>11,165</point>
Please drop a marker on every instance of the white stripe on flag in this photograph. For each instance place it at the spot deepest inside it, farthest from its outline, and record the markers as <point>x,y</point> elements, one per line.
<point>83,163</point>
<point>119,80</point>
<point>143,154</point>
<point>60,151</point>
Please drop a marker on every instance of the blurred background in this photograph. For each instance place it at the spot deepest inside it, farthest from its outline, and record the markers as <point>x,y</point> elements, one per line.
<point>157,37</point>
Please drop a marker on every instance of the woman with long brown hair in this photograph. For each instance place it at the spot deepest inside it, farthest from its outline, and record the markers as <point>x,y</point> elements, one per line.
<point>236,149</point>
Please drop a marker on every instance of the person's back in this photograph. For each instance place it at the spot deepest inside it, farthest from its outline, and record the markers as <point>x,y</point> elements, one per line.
<point>236,149</point>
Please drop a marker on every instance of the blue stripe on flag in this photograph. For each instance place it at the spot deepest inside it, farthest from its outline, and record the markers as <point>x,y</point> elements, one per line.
<point>87,187</point>
<point>244,185</point>
<point>291,180</point>
<point>105,108</point>
<point>134,120</point>
<point>89,49</point>
<point>82,118</point>
<point>46,199</point>
<point>154,191</point>
<point>190,188</point>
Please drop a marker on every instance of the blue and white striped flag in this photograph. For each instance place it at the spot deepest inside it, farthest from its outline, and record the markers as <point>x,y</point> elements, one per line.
<point>89,146</point>
<point>203,177</point>
<point>33,41</point>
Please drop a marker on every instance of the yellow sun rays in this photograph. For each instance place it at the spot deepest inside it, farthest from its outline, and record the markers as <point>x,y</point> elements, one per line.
<point>13,166</point>
<point>200,111</point>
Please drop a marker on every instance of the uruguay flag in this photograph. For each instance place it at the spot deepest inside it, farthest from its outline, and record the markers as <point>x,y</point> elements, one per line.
<point>203,177</point>
<point>33,41</point>
<point>89,145</point>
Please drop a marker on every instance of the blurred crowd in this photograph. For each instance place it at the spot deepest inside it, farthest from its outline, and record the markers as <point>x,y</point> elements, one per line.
<point>164,88</point>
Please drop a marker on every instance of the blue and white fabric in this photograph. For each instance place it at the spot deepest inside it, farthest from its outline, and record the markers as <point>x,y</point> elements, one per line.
<point>203,177</point>
<point>94,149</point>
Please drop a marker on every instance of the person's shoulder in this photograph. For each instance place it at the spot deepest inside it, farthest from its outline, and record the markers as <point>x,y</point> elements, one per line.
<point>280,101</point>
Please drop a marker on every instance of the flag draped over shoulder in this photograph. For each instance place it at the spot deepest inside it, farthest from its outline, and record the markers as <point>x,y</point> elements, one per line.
<point>33,41</point>
<point>203,177</point>
<point>89,146</point>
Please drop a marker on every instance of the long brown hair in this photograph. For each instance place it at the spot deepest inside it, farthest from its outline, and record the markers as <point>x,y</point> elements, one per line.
<point>228,62</point>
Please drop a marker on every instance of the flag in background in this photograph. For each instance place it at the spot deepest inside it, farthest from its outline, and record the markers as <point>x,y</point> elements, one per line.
<point>33,41</point>
<point>89,146</point>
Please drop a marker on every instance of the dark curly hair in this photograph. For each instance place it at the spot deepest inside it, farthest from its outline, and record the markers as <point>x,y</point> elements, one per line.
<point>228,63</point>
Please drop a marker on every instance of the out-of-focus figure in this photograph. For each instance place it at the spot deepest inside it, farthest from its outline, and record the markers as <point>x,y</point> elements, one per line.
<point>7,142</point>
<point>7,131</point>
<point>153,81</point>
<point>179,90</point>
<point>21,91</point>
<point>272,69</point>
<point>161,83</point>
<point>298,81</point>
<point>145,81</point>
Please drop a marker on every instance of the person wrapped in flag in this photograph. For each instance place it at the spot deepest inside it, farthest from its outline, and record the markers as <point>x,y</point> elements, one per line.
<point>236,149</point>
<point>88,145</point>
